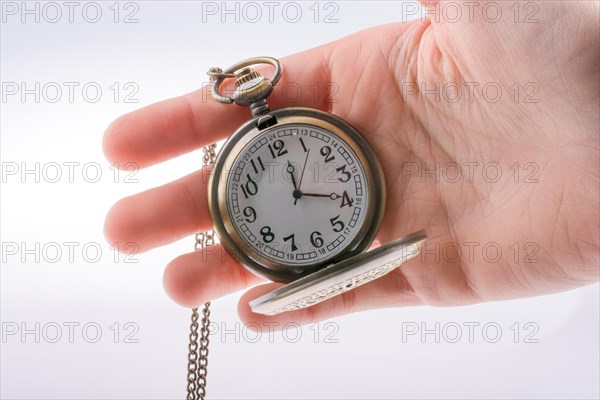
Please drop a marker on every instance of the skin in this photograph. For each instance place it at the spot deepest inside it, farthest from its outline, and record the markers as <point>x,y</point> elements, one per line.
<point>551,211</point>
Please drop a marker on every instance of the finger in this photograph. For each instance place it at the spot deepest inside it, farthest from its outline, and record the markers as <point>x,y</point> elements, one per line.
<point>172,127</point>
<point>168,129</point>
<point>161,215</point>
<point>195,278</point>
<point>389,291</point>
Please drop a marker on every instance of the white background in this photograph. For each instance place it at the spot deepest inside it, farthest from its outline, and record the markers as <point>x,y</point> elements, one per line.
<point>164,54</point>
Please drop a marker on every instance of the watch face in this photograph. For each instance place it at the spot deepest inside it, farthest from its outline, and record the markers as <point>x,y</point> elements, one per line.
<point>297,195</point>
<point>295,190</point>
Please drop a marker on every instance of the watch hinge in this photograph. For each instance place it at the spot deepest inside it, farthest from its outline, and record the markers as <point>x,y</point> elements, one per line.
<point>265,122</point>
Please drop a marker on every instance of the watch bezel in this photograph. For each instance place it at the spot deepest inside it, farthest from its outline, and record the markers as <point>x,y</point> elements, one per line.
<point>217,192</point>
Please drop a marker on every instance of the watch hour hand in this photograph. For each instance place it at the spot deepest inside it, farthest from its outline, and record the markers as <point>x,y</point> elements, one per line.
<point>296,193</point>
<point>290,170</point>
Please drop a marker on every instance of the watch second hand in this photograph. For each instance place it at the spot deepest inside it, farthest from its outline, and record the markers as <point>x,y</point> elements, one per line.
<point>301,178</point>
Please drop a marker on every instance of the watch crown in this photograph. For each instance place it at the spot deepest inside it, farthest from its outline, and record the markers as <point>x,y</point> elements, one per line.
<point>246,75</point>
<point>252,90</point>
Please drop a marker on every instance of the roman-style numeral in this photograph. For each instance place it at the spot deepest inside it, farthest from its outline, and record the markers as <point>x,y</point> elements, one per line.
<point>291,237</point>
<point>326,152</point>
<point>249,188</point>
<point>277,149</point>
<point>260,164</point>
<point>336,225</point>
<point>346,200</point>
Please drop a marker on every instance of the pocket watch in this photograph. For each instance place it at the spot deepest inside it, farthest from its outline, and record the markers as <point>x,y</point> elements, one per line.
<point>297,195</point>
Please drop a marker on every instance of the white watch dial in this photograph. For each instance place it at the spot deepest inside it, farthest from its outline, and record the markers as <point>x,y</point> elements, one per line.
<point>297,195</point>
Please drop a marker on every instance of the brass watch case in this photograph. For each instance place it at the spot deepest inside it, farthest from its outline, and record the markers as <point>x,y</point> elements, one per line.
<point>277,119</point>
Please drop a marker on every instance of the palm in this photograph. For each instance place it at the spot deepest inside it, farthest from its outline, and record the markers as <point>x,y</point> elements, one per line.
<point>536,212</point>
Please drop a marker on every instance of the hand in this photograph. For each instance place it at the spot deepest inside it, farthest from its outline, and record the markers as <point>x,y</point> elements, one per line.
<point>524,212</point>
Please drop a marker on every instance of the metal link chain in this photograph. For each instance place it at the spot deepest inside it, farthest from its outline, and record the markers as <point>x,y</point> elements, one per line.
<point>198,345</point>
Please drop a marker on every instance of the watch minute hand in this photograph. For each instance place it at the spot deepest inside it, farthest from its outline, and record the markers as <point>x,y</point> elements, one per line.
<point>332,196</point>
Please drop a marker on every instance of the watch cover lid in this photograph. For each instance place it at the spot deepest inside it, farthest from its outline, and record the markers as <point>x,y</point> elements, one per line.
<point>341,277</point>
